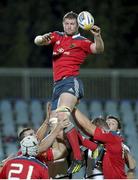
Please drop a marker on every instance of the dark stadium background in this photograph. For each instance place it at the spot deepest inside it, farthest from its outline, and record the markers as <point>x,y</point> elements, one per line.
<point>21,21</point>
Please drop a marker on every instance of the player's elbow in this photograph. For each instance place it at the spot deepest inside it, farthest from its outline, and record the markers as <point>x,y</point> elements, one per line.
<point>97,48</point>
<point>100,49</point>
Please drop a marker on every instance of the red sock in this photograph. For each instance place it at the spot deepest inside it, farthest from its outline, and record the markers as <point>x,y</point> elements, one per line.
<point>74,142</point>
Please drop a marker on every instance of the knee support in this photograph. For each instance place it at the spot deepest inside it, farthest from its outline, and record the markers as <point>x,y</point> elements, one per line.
<point>67,110</point>
<point>64,109</point>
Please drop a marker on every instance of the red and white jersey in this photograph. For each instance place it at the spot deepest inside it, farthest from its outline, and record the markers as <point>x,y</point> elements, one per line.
<point>46,156</point>
<point>113,160</point>
<point>69,52</point>
<point>23,167</point>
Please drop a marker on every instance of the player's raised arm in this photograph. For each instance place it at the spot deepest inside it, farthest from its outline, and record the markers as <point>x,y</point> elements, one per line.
<point>48,141</point>
<point>98,45</point>
<point>86,22</point>
<point>41,132</point>
<point>84,122</point>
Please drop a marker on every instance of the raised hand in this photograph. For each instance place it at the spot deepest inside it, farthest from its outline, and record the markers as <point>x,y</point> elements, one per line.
<point>95,30</point>
<point>47,37</point>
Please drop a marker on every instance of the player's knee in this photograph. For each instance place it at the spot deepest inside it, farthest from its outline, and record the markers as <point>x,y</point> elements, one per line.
<point>64,109</point>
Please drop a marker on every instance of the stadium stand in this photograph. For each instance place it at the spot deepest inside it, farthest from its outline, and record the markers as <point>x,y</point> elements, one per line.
<point>96,109</point>
<point>84,107</point>
<point>1,149</point>
<point>136,107</point>
<point>126,106</point>
<point>111,107</point>
<point>21,110</point>
<point>6,114</point>
<point>11,148</point>
<point>37,113</point>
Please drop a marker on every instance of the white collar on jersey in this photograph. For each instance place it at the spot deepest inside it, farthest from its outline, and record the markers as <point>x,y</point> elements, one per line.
<point>76,35</point>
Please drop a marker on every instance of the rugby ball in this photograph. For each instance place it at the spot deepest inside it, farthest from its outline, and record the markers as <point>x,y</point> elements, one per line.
<point>85,20</point>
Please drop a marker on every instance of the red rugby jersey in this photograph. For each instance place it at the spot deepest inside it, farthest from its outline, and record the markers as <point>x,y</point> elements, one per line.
<point>24,168</point>
<point>46,156</point>
<point>69,52</point>
<point>113,160</point>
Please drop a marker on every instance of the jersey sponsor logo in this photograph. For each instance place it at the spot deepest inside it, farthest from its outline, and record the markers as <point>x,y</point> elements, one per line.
<point>58,52</point>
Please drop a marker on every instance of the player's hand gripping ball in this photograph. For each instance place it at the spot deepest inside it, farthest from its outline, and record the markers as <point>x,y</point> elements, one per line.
<point>85,20</point>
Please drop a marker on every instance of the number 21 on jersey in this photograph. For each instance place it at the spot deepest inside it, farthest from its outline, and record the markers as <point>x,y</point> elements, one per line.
<point>19,170</point>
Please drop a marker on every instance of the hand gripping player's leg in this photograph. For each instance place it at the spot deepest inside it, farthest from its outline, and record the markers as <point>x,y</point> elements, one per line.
<point>72,137</point>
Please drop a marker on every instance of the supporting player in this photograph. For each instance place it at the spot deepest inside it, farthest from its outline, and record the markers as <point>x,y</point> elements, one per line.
<point>114,124</point>
<point>113,159</point>
<point>25,166</point>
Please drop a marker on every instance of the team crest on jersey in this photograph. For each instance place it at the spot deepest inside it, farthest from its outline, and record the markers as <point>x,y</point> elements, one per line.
<point>58,42</point>
<point>72,45</point>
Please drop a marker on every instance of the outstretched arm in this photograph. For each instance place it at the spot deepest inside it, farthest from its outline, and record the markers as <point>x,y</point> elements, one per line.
<point>41,132</point>
<point>98,45</point>
<point>84,122</point>
<point>45,39</point>
<point>89,144</point>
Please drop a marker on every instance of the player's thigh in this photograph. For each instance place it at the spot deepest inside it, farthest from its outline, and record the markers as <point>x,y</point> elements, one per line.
<point>67,99</point>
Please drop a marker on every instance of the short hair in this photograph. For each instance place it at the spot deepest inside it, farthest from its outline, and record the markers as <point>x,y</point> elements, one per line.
<point>115,118</point>
<point>21,133</point>
<point>100,122</point>
<point>70,15</point>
